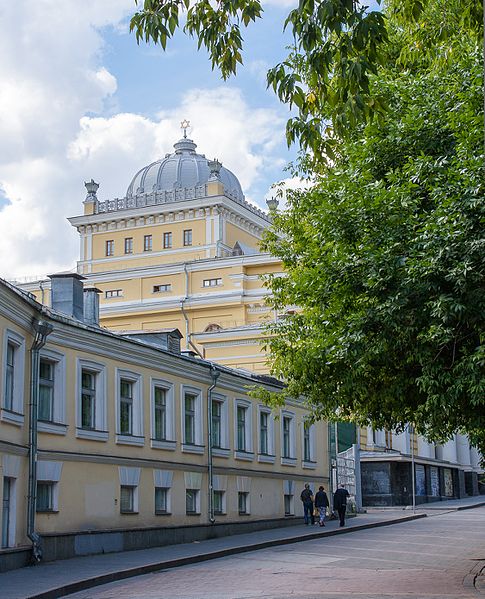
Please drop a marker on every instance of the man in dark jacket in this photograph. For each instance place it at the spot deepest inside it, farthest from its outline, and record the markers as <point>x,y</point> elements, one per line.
<point>321,503</point>
<point>340,503</point>
<point>307,499</point>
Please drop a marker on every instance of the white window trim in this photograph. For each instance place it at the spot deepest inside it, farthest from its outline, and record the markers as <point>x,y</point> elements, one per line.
<point>248,453</point>
<point>223,511</point>
<point>197,502</point>
<point>224,450</point>
<point>162,479</point>
<point>136,437</point>
<point>58,426</point>
<point>291,460</point>
<point>16,414</point>
<point>170,442</point>
<point>270,457</point>
<point>248,503</point>
<point>198,446</point>
<point>311,463</point>
<point>50,472</point>
<point>100,432</point>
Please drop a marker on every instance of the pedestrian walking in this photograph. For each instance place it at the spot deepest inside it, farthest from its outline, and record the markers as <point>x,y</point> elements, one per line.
<point>307,499</point>
<point>321,504</point>
<point>340,502</point>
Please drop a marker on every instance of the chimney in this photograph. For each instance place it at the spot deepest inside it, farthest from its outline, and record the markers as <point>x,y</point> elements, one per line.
<point>67,294</point>
<point>91,305</point>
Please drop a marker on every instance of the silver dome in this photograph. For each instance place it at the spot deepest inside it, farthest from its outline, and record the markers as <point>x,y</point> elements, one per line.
<point>183,168</point>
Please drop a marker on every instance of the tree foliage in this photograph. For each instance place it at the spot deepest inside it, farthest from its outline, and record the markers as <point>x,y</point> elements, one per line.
<point>385,255</point>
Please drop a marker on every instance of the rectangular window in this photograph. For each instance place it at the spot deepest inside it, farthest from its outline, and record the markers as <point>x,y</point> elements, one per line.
<point>307,453</point>
<point>216,423</point>
<point>288,505</point>
<point>162,288</point>
<point>126,407</point>
<point>263,433</point>
<point>127,499</point>
<point>187,237</point>
<point>7,508</point>
<point>241,428</point>
<point>286,437</point>
<point>191,500</point>
<point>189,418</point>
<point>147,243</point>
<point>212,282</point>
<point>243,502</point>
<point>88,399</point>
<point>45,496</point>
<point>167,241</point>
<point>110,247</point>
<point>46,391</point>
<point>10,376</point>
<point>218,502</point>
<point>128,245</point>
<point>160,407</point>
<point>161,500</point>
<point>113,293</point>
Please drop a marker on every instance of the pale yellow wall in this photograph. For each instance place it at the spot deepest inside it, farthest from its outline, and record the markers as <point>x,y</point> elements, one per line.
<point>235,233</point>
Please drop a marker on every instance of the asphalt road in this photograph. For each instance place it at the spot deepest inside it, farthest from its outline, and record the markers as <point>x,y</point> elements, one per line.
<point>427,558</point>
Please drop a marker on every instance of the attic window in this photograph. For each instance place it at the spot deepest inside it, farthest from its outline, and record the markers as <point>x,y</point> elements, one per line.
<point>211,328</point>
<point>212,282</point>
<point>113,293</point>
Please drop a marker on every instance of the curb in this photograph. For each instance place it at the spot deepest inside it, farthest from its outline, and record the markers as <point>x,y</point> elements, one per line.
<point>82,585</point>
<point>469,507</point>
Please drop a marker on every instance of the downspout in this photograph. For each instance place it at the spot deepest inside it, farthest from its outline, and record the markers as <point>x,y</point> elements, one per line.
<point>188,341</point>
<point>41,329</point>
<point>214,375</point>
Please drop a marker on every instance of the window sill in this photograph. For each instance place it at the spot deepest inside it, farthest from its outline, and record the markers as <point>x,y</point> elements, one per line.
<point>221,452</point>
<point>92,435</point>
<point>288,462</point>
<point>47,511</point>
<point>165,444</point>
<point>128,513</point>
<point>309,465</point>
<point>54,428</point>
<point>220,514</point>
<point>189,448</point>
<point>266,459</point>
<point>247,456</point>
<point>244,514</point>
<point>130,440</point>
<point>163,513</point>
<point>11,417</point>
<point>192,513</point>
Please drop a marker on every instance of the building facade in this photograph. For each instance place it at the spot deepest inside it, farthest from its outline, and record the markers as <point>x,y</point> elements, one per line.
<point>135,445</point>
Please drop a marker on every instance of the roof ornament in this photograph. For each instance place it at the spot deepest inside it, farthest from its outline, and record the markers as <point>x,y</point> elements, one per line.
<point>91,187</point>
<point>215,169</point>
<point>185,124</point>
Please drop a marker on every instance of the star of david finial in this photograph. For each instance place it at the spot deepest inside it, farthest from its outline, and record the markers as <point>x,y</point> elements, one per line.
<point>185,124</point>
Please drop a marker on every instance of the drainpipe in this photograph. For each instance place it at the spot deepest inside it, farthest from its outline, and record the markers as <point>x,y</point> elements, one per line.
<point>188,342</point>
<point>41,329</point>
<point>215,375</point>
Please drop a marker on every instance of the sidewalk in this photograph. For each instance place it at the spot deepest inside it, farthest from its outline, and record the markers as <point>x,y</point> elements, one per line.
<point>449,505</point>
<point>57,579</point>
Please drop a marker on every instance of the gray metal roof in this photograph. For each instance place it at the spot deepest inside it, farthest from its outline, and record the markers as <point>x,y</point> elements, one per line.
<point>182,169</point>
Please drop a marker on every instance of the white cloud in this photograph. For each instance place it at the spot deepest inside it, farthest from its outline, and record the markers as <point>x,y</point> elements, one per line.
<point>52,77</point>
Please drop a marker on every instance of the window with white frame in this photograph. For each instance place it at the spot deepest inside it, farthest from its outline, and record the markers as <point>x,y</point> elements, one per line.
<point>266,433</point>
<point>191,419</point>
<point>110,247</point>
<point>217,282</point>
<point>187,237</point>
<point>219,502</point>
<point>167,240</point>
<point>13,380</point>
<point>288,436</point>
<point>129,425</point>
<point>243,502</point>
<point>51,406</point>
<point>289,509</point>
<point>216,428</point>
<point>243,427</point>
<point>165,288</point>
<point>128,245</point>
<point>91,400</point>
<point>308,449</point>
<point>162,415</point>
<point>111,293</point>
<point>162,480</point>
<point>129,481</point>
<point>47,492</point>
<point>192,501</point>
<point>289,497</point>
<point>147,243</point>
<point>219,422</point>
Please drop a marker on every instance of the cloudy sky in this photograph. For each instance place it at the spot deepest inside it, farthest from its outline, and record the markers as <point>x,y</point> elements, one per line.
<point>79,99</point>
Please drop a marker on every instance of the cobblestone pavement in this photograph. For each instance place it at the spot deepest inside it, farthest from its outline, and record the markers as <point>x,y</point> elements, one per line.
<point>427,558</point>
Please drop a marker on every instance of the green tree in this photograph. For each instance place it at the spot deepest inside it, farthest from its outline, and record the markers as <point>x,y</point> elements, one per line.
<point>385,255</point>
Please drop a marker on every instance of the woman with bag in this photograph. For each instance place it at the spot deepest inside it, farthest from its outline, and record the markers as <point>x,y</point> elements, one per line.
<point>321,504</point>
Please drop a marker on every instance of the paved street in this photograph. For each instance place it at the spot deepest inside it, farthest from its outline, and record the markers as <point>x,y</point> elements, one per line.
<point>427,558</point>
